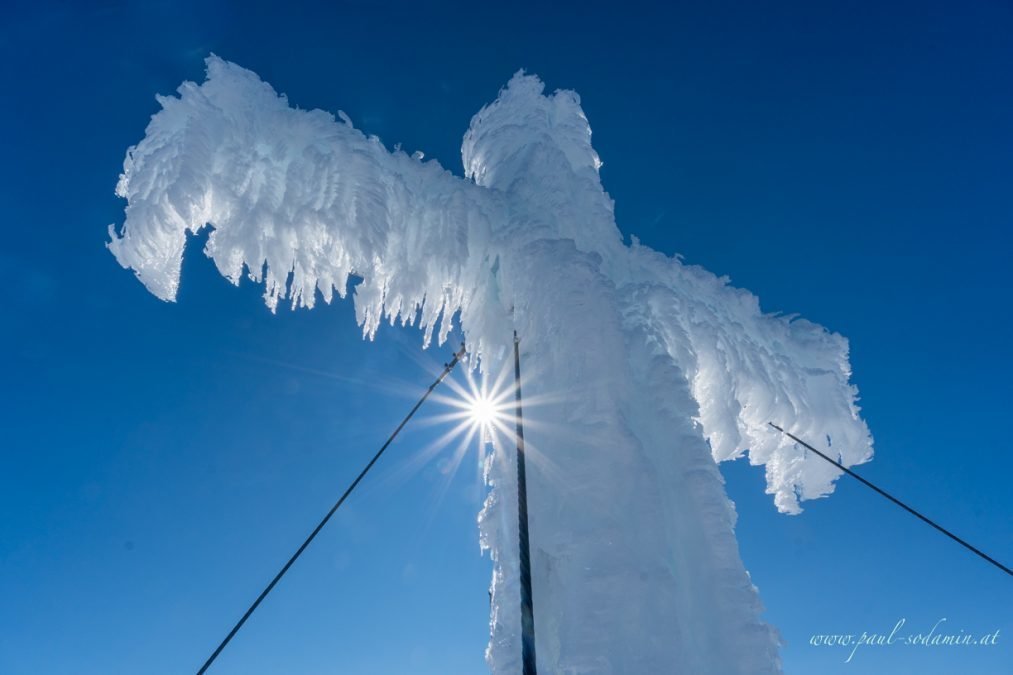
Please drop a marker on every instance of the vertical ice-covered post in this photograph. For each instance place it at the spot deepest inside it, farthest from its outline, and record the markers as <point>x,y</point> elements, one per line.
<point>527,605</point>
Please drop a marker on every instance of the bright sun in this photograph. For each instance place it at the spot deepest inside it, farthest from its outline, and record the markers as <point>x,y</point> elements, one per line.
<point>483,410</point>
<point>479,409</point>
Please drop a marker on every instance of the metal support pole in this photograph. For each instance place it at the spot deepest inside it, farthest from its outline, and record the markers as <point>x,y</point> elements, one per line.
<point>527,606</point>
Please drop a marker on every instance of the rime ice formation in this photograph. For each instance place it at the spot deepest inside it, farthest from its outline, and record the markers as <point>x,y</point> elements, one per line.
<point>657,368</point>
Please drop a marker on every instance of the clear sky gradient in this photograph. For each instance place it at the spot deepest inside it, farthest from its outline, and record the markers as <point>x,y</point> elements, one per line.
<point>159,462</point>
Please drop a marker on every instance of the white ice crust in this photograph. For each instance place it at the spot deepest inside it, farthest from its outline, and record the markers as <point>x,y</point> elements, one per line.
<point>655,368</point>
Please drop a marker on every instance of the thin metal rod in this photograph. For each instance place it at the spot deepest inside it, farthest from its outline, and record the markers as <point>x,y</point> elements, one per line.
<point>235,629</point>
<point>527,604</point>
<point>897,502</point>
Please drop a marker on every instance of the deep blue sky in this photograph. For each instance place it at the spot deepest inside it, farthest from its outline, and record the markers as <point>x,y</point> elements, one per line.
<point>849,162</point>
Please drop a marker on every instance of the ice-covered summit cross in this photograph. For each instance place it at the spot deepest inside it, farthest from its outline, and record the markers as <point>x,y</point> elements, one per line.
<point>659,368</point>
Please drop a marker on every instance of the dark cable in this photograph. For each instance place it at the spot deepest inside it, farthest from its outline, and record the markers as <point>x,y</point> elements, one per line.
<point>897,502</point>
<point>446,371</point>
<point>528,658</point>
